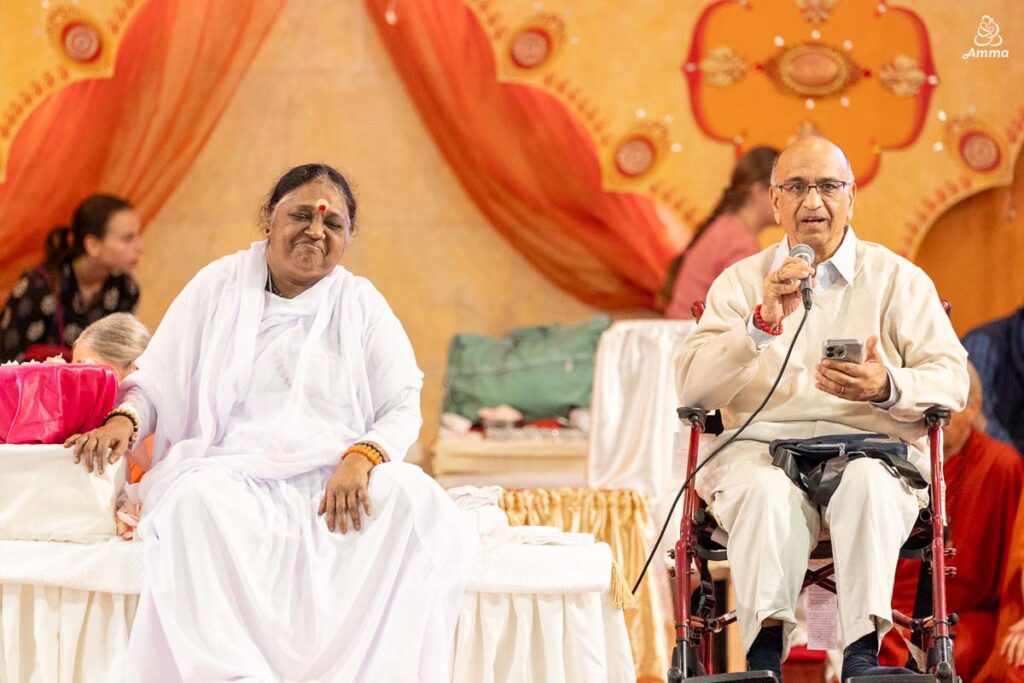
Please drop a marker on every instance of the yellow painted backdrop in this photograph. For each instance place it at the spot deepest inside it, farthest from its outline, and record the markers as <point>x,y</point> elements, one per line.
<point>323,89</point>
<point>924,127</point>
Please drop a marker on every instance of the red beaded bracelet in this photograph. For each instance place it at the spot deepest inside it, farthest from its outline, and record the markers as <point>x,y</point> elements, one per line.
<point>760,324</point>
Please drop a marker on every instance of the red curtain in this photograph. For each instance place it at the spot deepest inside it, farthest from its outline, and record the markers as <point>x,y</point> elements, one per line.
<point>529,166</point>
<point>136,134</point>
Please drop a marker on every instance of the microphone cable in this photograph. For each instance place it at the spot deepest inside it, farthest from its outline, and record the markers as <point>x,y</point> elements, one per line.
<point>711,456</point>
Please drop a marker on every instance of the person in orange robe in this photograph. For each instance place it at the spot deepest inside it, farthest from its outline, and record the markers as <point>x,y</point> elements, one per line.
<point>984,480</point>
<point>1006,663</point>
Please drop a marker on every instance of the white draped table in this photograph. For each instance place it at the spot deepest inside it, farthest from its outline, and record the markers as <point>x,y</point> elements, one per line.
<point>66,609</point>
<point>633,427</point>
<point>633,410</point>
<point>530,613</point>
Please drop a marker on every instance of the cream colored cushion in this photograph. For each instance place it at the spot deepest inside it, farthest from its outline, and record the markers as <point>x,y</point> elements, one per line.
<point>45,496</point>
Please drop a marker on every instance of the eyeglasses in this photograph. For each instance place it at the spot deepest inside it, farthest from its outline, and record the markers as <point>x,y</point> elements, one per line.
<point>825,189</point>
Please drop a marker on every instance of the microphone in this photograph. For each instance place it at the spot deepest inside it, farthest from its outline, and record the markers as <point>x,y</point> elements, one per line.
<point>805,254</point>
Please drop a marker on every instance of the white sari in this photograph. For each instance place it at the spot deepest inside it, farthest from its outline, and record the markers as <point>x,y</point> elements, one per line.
<point>254,398</point>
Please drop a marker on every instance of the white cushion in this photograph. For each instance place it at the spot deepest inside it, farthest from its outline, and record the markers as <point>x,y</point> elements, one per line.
<point>47,497</point>
<point>519,568</point>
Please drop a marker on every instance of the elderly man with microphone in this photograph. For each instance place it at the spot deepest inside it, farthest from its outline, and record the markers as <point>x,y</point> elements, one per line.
<point>911,360</point>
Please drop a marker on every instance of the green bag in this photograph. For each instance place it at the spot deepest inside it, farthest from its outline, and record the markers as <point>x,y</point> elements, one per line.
<point>541,371</point>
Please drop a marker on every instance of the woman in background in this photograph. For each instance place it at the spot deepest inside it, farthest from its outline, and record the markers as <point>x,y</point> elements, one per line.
<point>727,235</point>
<point>84,277</point>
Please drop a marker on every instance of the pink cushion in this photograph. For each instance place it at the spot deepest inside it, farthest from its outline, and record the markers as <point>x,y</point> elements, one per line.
<point>45,403</point>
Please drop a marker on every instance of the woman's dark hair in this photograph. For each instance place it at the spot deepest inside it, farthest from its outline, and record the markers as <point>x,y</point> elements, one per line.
<point>307,173</point>
<point>753,167</point>
<point>67,243</point>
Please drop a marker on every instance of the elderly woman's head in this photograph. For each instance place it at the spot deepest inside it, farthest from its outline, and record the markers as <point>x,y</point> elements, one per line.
<point>308,219</point>
<point>116,340</point>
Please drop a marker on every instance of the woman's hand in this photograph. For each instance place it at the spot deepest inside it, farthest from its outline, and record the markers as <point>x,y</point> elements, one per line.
<point>92,446</point>
<point>1013,645</point>
<point>345,492</point>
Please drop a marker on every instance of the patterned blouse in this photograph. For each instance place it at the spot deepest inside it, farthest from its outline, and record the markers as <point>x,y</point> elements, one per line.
<point>30,316</point>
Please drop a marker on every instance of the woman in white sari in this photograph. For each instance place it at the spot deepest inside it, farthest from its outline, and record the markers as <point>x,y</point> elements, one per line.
<point>268,559</point>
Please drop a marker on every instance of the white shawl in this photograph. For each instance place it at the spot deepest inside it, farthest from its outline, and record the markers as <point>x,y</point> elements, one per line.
<point>200,363</point>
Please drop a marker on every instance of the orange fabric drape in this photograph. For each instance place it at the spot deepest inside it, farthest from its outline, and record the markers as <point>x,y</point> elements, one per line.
<point>135,134</point>
<point>529,166</point>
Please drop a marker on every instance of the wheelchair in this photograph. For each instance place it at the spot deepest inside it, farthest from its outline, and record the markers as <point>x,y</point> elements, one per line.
<point>697,621</point>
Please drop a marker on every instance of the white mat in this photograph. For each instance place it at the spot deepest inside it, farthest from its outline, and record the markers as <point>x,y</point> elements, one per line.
<point>111,567</point>
<point>542,569</point>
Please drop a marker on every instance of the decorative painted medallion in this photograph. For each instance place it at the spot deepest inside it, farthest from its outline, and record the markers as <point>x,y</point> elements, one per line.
<point>82,42</point>
<point>530,48</point>
<point>812,70</point>
<point>816,11</point>
<point>902,76</point>
<point>535,43</point>
<point>813,64</point>
<point>723,67</point>
<point>974,144</point>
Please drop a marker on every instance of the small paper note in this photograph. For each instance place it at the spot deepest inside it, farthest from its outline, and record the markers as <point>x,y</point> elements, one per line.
<point>822,619</point>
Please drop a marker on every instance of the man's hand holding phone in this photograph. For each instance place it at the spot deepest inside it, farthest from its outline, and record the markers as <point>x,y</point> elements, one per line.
<point>852,371</point>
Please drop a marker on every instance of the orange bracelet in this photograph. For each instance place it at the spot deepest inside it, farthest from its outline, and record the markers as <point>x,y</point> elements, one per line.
<point>365,450</point>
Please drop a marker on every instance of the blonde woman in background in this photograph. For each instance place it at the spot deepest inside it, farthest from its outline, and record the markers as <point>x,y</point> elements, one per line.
<point>116,341</point>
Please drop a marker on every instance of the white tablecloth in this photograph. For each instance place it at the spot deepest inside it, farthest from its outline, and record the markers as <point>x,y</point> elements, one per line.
<point>633,426</point>
<point>531,613</point>
<point>633,409</point>
<point>528,638</point>
<point>541,613</point>
<point>63,635</point>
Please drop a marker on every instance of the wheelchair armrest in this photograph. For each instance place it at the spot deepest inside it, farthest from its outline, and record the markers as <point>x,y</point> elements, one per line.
<point>937,415</point>
<point>701,420</point>
<point>694,416</point>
